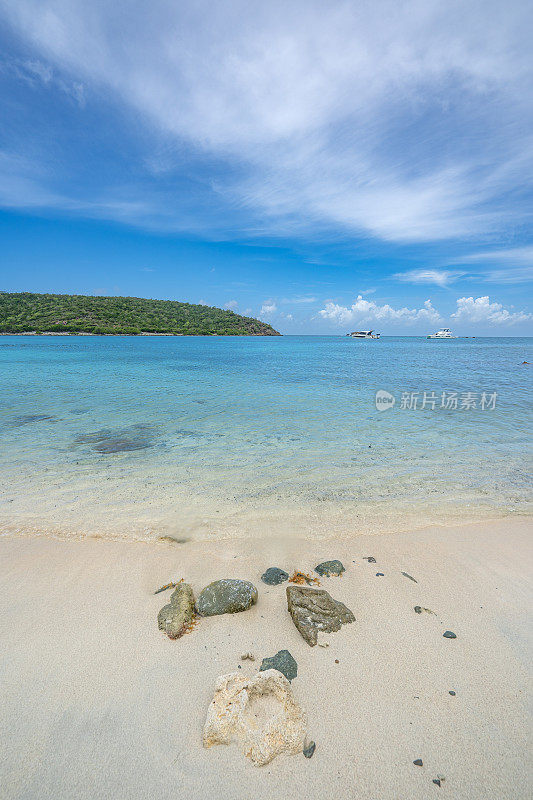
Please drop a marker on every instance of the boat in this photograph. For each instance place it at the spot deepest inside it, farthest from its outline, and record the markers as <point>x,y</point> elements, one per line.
<point>364,335</point>
<point>443,333</point>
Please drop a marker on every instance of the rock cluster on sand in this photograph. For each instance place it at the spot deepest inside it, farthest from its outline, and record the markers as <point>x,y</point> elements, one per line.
<point>283,662</point>
<point>178,613</point>
<point>259,712</point>
<point>274,575</point>
<point>328,568</point>
<point>226,596</point>
<point>314,610</point>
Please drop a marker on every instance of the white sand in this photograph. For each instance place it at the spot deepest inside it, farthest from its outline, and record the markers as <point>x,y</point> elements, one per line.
<point>97,703</point>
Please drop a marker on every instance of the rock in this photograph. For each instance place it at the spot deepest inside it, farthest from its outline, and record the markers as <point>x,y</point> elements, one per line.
<point>370,559</point>
<point>380,574</point>
<point>314,610</point>
<point>418,762</point>
<point>247,657</point>
<point>452,693</point>
<point>436,781</point>
<point>274,575</point>
<point>449,635</point>
<point>226,596</point>
<point>260,713</point>
<point>309,750</point>
<point>419,609</point>
<point>406,575</point>
<point>179,613</point>
<point>328,568</point>
<point>283,662</point>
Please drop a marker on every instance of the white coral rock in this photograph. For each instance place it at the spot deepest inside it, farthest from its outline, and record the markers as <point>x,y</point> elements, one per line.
<point>260,713</point>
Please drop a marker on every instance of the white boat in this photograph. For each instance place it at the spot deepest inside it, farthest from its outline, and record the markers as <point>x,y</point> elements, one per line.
<point>444,333</point>
<point>364,335</point>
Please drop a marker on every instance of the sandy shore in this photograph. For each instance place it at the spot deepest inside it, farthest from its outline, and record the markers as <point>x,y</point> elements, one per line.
<point>97,703</point>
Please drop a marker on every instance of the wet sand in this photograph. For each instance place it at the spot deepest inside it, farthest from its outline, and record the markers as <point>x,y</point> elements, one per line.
<point>98,703</point>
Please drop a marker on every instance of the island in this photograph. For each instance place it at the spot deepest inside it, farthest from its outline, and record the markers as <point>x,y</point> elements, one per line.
<point>29,313</point>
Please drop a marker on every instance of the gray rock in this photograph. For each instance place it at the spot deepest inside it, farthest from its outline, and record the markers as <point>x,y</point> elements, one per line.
<point>274,575</point>
<point>327,568</point>
<point>452,693</point>
<point>314,610</point>
<point>308,751</point>
<point>370,559</point>
<point>176,615</point>
<point>449,635</point>
<point>418,762</point>
<point>283,662</point>
<point>226,596</point>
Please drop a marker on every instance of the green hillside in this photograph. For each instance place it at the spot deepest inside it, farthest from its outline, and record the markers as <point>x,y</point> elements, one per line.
<point>59,313</point>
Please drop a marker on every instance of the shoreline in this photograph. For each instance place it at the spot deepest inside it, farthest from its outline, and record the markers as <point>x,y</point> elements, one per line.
<point>99,703</point>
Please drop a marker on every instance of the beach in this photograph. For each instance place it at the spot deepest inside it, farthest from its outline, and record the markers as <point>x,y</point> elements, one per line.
<point>98,703</point>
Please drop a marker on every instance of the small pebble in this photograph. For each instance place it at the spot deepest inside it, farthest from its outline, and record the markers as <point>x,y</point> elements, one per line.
<point>380,574</point>
<point>452,694</point>
<point>308,751</point>
<point>337,661</point>
<point>449,635</point>
<point>436,781</point>
<point>248,656</point>
<point>370,559</point>
<point>418,762</point>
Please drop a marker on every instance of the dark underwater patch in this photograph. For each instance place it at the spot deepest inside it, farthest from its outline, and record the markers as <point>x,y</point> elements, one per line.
<point>119,440</point>
<point>27,419</point>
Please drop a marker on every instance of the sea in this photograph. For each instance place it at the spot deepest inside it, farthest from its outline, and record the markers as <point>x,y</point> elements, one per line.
<point>217,437</point>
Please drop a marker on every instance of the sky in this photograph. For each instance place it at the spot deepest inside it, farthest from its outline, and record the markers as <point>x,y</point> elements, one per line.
<point>323,166</point>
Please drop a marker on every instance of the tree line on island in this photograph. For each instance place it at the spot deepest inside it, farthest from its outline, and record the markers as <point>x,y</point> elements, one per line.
<point>26,312</point>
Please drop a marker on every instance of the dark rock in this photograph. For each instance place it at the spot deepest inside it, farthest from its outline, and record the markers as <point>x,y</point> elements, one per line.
<point>370,559</point>
<point>436,781</point>
<point>380,574</point>
<point>418,762</point>
<point>274,575</point>
<point>419,609</point>
<point>226,596</point>
<point>283,662</point>
<point>449,635</point>
<point>308,751</point>
<point>314,610</point>
<point>328,568</point>
<point>406,575</point>
<point>179,613</point>
<point>452,693</point>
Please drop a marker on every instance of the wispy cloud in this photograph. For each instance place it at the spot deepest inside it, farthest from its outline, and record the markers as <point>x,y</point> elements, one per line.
<point>231,305</point>
<point>512,265</point>
<point>437,277</point>
<point>409,132</point>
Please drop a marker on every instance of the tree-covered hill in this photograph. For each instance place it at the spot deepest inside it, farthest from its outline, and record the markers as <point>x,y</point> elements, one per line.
<point>65,313</point>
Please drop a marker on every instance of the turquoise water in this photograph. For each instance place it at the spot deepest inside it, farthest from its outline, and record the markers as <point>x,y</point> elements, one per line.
<point>218,436</point>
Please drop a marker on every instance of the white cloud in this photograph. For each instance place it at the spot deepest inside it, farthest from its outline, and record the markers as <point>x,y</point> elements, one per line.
<point>231,305</point>
<point>268,308</point>
<point>299,299</point>
<point>402,121</point>
<point>481,309</point>
<point>365,311</point>
<point>438,277</point>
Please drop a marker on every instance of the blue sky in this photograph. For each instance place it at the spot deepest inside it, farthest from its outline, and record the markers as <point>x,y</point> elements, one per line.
<point>324,167</point>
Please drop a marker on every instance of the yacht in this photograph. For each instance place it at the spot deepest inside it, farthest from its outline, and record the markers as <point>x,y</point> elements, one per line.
<point>364,335</point>
<point>444,333</point>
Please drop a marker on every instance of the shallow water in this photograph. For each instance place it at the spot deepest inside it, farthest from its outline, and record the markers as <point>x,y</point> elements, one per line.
<point>218,436</point>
